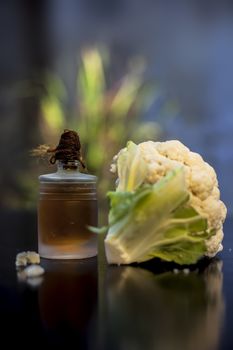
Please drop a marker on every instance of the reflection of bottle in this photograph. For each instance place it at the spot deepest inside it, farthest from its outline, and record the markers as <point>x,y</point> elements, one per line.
<point>67,205</point>
<point>164,311</point>
<point>68,301</point>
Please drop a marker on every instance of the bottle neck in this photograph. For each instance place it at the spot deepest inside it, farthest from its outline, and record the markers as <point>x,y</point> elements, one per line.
<point>73,165</point>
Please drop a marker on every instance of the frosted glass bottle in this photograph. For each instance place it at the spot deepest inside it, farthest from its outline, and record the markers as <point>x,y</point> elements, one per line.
<point>67,205</point>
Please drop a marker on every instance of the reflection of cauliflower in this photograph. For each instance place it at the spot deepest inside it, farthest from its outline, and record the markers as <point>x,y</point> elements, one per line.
<point>200,177</point>
<point>196,301</point>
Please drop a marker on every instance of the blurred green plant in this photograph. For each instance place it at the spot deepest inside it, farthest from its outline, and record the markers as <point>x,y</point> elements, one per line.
<point>105,115</point>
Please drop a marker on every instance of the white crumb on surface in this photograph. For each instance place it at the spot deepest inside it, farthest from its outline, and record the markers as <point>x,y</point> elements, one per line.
<point>186,271</point>
<point>33,257</point>
<point>21,259</point>
<point>33,271</point>
<point>29,257</point>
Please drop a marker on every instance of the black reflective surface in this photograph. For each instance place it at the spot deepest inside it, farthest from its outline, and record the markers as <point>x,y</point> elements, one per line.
<point>90,305</point>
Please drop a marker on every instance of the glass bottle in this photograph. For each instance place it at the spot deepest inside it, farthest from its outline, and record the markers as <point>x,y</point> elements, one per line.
<point>67,205</point>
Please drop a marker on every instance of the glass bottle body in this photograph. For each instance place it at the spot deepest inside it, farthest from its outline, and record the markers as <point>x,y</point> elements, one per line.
<point>67,206</point>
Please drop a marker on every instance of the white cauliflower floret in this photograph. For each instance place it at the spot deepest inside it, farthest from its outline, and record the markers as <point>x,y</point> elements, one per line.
<point>194,159</point>
<point>29,257</point>
<point>174,150</point>
<point>21,259</point>
<point>34,271</point>
<point>30,273</point>
<point>214,244</point>
<point>200,177</point>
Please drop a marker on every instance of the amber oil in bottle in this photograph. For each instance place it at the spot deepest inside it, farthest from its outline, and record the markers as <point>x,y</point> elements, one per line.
<point>67,206</point>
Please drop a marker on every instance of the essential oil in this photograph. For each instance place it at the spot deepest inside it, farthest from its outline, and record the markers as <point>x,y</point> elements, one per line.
<point>67,206</point>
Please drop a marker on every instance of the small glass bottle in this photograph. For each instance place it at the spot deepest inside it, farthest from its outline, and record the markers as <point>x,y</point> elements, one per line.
<point>67,205</point>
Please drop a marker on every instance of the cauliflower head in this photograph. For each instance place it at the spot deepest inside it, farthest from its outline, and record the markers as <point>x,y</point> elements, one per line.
<point>160,158</point>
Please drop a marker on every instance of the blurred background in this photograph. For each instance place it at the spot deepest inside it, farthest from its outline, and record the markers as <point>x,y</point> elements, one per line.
<point>113,70</point>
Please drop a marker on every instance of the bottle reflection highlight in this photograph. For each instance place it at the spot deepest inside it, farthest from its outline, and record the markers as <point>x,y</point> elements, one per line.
<point>68,301</point>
